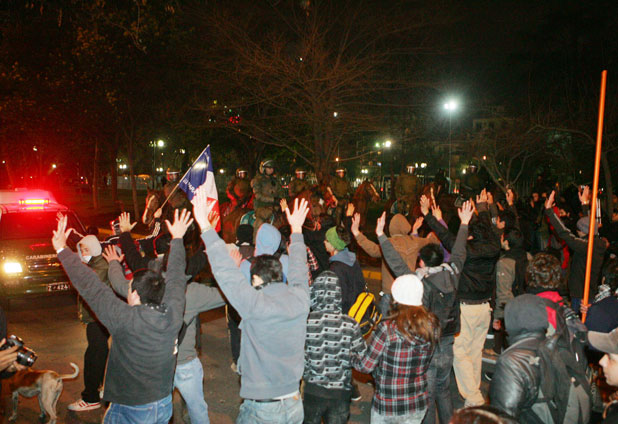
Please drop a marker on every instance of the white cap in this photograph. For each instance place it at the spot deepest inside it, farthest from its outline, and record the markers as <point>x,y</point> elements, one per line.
<point>408,290</point>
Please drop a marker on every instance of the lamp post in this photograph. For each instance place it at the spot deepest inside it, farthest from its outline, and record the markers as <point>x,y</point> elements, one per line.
<point>160,144</point>
<point>450,107</point>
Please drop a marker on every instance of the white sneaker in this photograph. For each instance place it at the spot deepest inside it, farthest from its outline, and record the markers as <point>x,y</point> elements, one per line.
<point>81,405</point>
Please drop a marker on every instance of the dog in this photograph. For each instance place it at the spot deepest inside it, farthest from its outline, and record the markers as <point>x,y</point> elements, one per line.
<point>45,384</point>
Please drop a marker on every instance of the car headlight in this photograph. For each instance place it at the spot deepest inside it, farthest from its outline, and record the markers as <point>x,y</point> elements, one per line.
<point>11,267</point>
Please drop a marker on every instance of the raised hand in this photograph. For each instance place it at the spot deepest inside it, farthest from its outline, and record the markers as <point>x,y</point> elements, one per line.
<point>549,203</point>
<point>110,254</point>
<point>466,212</point>
<point>124,222</point>
<point>510,197</point>
<point>356,219</point>
<point>584,195</point>
<point>425,202</point>
<point>284,204</point>
<point>59,239</point>
<point>490,198</point>
<point>350,209</point>
<point>417,224</point>
<point>482,197</point>
<point>297,218</point>
<point>236,256</point>
<point>205,214</point>
<point>437,212</point>
<point>181,223</point>
<point>380,224</point>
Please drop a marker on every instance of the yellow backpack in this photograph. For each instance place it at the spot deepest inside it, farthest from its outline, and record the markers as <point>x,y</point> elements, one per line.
<point>365,312</point>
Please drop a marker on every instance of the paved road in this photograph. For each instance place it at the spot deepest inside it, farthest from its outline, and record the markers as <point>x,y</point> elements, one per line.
<point>49,325</point>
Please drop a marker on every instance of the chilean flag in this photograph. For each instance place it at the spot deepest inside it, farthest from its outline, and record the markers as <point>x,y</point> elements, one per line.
<point>202,172</point>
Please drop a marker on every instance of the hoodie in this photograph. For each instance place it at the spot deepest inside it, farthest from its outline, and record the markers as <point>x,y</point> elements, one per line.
<point>142,359</point>
<point>405,244</point>
<point>334,342</point>
<point>440,283</point>
<point>267,242</point>
<point>350,274</point>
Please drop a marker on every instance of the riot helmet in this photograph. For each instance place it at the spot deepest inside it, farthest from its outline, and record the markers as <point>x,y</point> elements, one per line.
<point>411,168</point>
<point>340,172</point>
<point>241,173</point>
<point>172,174</point>
<point>300,173</point>
<point>267,163</point>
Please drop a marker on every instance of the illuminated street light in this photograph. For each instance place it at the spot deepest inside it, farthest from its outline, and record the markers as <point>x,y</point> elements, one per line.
<point>335,114</point>
<point>450,107</point>
<point>388,144</point>
<point>221,171</point>
<point>54,165</point>
<point>160,143</point>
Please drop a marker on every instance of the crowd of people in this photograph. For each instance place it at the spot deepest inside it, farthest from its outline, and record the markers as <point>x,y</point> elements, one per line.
<point>447,284</point>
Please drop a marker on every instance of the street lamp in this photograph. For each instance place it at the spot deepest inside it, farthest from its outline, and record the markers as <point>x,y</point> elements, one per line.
<point>160,144</point>
<point>450,107</point>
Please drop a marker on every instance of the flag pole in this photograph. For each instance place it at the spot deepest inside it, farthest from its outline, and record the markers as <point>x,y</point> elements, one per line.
<point>176,186</point>
<point>595,190</point>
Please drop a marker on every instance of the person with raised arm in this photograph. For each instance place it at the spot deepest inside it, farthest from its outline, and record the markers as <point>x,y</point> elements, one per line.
<point>274,318</point>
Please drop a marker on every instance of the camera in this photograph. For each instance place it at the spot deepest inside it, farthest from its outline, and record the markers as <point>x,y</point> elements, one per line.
<point>25,356</point>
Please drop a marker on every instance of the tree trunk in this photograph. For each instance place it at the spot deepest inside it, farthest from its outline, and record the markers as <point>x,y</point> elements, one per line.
<point>607,171</point>
<point>95,177</point>
<point>132,177</point>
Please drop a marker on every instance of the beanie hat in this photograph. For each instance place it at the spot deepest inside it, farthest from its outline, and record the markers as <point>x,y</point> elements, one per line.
<point>583,225</point>
<point>244,234</point>
<point>92,243</point>
<point>333,238</point>
<point>525,313</point>
<point>408,290</point>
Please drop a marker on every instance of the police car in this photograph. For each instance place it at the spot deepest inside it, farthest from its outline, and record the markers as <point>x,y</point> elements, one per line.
<point>28,262</point>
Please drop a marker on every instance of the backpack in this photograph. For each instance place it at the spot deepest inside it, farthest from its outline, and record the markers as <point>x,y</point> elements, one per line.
<point>564,390</point>
<point>444,305</point>
<point>365,312</point>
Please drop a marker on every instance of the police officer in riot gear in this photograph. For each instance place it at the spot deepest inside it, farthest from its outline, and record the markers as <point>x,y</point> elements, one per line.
<point>239,189</point>
<point>298,183</point>
<point>407,187</point>
<point>267,191</point>
<point>341,190</point>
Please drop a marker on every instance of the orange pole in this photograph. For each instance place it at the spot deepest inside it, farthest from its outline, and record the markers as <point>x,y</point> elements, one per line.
<point>595,190</point>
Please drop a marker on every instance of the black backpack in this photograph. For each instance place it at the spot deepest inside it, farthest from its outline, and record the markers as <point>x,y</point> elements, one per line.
<point>443,304</point>
<point>564,390</point>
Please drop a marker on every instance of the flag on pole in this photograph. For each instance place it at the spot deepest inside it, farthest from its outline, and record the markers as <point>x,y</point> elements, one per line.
<point>202,173</point>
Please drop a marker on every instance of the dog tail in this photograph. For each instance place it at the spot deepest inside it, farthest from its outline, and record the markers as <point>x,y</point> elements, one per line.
<point>71,376</point>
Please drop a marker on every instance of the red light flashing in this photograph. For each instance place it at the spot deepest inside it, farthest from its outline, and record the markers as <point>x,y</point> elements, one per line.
<point>31,202</point>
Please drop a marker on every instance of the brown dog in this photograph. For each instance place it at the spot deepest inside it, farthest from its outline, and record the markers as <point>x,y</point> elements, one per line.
<point>46,384</point>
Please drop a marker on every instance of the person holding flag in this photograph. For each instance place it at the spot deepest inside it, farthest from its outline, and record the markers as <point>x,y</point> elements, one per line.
<point>202,173</point>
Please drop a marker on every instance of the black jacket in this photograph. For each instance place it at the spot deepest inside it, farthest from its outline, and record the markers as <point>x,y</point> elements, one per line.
<point>478,277</point>
<point>516,381</point>
<point>351,279</point>
<point>579,246</point>
<point>436,280</point>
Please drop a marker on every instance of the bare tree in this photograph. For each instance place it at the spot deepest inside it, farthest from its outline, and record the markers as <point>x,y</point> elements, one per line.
<point>311,78</point>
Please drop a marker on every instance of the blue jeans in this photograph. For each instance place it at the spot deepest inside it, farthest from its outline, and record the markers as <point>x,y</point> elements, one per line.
<point>189,380</point>
<point>287,411</point>
<point>415,417</point>
<point>439,381</point>
<point>159,412</point>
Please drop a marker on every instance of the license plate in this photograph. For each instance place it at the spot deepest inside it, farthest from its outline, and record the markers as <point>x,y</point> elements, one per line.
<point>57,287</point>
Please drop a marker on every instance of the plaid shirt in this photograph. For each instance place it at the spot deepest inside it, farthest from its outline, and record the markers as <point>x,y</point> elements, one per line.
<point>399,368</point>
